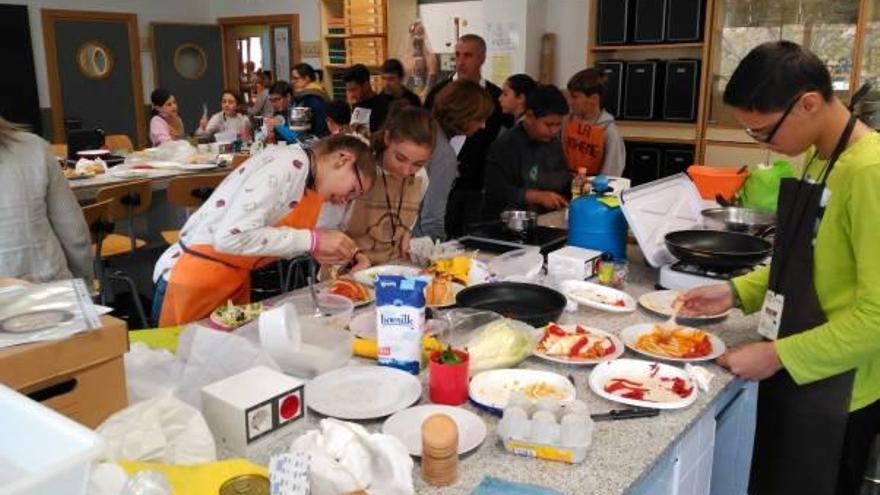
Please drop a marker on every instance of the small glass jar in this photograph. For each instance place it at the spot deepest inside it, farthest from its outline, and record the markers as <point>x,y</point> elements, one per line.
<point>612,273</point>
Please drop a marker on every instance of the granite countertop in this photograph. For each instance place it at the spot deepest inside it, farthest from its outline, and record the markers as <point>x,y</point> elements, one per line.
<point>622,452</point>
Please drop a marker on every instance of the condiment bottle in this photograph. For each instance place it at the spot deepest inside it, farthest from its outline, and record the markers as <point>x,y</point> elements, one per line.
<point>439,450</point>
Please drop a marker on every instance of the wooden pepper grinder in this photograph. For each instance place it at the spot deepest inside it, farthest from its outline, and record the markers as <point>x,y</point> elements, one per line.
<point>439,450</point>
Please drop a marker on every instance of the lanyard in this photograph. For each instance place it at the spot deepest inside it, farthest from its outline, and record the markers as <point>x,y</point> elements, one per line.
<point>394,217</point>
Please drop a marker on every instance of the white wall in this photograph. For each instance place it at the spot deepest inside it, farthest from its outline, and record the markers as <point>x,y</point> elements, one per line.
<point>568,20</point>
<point>196,11</point>
<point>309,15</point>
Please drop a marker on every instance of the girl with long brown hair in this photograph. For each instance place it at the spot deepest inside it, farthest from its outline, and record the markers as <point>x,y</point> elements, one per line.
<point>381,221</point>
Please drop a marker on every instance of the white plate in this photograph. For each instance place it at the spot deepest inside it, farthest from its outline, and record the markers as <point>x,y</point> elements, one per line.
<point>368,276</point>
<point>92,153</point>
<point>363,325</point>
<point>198,166</point>
<point>638,369</point>
<point>660,302</point>
<point>580,291</point>
<point>407,426</point>
<point>630,336</point>
<point>618,347</point>
<point>362,392</point>
<point>129,173</point>
<point>456,288</point>
<point>491,389</point>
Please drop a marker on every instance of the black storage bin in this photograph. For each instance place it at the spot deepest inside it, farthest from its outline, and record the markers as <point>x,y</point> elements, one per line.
<point>644,90</point>
<point>615,74</point>
<point>649,21</point>
<point>684,20</point>
<point>612,22</point>
<point>681,90</point>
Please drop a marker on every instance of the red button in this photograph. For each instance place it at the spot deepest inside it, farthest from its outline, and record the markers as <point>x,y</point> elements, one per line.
<point>289,407</point>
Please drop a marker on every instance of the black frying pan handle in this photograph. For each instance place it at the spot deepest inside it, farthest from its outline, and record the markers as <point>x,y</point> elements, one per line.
<point>722,202</point>
<point>766,232</point>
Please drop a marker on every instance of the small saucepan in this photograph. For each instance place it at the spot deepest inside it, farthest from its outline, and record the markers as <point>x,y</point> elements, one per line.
<point>520,221</point>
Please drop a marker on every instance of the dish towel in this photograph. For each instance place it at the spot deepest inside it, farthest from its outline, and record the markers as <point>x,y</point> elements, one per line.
<point>495,486</point>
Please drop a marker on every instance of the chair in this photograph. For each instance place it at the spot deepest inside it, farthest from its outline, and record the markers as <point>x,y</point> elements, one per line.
<point>128,200</point>
<point>125,201</point>
<point>100,228</point>
<point>59,150</point>
<point>116,142</point>
<point>190,192</point>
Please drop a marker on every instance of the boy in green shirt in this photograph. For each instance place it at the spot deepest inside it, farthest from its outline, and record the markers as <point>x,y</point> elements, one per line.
<point>782,95</point>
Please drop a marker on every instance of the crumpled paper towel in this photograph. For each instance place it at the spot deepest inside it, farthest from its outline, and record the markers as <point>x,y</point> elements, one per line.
<point>162,430</point>
<point>346,458</point>
<point>700,375</point>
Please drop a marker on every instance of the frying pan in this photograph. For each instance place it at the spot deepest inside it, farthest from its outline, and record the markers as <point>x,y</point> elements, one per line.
<point>716,248</point>
<point>534,304</point>
<point>737,219</point>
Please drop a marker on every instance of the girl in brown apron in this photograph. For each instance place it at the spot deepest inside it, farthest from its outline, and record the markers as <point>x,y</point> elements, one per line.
<point>381,221</point>
<point>266,209</point>
<point>814,426</point>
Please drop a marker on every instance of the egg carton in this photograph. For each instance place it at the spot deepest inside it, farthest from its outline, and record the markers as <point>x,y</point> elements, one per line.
<point>547,429</point>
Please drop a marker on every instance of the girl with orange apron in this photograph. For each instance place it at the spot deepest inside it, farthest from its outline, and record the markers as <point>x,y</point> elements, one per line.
<point>265,210</point>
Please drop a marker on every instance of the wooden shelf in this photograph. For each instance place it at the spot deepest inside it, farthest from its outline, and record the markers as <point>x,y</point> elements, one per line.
<point>340,66</point>
<point>660,46</point>
<point>668,132</point>
<point>352,36</point>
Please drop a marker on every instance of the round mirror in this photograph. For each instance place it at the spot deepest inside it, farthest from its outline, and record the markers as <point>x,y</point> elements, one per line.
<point>190,61</point>
<point>94,60</point>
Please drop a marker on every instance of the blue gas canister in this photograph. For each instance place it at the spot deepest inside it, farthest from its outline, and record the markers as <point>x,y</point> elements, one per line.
<point>596,221</point>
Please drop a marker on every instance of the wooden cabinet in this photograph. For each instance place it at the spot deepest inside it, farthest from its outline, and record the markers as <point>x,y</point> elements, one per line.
<point>362,32</point>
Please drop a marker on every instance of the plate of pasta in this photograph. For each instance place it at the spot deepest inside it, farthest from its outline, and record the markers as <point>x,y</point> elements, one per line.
<point>684,344</point>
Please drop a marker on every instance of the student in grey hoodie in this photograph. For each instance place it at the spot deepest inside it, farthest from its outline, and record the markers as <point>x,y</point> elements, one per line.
<point>590,139</point>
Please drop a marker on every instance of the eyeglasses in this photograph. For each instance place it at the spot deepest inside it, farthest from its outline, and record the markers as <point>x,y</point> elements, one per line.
<point>767,137</point>
<point>275,98</point>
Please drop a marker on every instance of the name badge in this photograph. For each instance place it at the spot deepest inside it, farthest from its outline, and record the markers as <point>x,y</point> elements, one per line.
<point>771,315</point>
<point>360,115</point>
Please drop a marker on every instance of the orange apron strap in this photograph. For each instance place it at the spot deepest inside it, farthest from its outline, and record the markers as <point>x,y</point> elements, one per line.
<point>198,285</point>
<point>584,146</point>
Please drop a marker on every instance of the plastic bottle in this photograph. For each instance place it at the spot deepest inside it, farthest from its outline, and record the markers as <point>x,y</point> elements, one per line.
<point>579,183</point>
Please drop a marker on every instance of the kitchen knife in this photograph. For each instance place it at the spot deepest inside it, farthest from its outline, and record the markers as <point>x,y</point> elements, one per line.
<point>625,414</point>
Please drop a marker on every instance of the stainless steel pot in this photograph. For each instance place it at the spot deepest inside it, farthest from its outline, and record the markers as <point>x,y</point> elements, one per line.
<point>520,221</point>
<point>301,118</point>
<point>735,219</point>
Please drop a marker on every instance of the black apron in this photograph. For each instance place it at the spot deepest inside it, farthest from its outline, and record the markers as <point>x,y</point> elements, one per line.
<point>800,428</point>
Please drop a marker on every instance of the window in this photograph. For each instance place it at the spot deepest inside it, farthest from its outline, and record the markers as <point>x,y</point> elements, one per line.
<point>826,27</point>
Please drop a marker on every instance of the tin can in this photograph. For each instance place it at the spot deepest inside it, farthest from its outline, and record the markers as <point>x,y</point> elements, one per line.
<point>247,484</point>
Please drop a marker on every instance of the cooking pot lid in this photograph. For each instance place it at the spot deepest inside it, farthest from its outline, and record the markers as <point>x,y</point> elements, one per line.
<point>658,208</point>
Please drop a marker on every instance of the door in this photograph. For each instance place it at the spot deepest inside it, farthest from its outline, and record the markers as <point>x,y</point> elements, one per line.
<point>188,61</point>
<point>94,72</point>
<point>18,88</point>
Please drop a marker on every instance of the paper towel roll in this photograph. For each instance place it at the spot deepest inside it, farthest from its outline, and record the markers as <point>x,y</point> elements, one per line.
<point>279,331</point>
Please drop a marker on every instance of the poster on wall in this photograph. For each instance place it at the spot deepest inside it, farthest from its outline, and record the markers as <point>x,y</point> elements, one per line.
<point>281,51</point>
<point>502,36</point>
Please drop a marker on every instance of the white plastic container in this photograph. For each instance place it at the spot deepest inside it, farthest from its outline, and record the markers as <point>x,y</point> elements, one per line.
<point>43,452</point>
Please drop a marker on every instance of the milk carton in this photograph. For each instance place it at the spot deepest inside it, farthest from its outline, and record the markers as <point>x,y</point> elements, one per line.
<point>400,321</point>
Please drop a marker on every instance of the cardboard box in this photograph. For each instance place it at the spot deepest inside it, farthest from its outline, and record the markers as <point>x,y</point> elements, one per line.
<point>82,377</point>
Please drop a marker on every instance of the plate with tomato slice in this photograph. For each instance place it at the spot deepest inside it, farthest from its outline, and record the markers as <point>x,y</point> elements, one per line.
<point>577,344</point>
<point>360,294</point>
<point>598,296</point>
<point>643,384</point>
